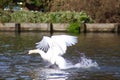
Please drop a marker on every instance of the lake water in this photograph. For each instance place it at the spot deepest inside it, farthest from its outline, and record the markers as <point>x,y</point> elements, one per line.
<point>16,64</point>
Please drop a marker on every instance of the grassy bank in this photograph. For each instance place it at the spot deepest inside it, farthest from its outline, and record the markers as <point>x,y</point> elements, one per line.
<point>49,17</point>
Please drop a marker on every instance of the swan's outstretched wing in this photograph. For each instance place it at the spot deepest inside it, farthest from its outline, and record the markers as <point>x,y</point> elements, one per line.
<point>63,41</point>
<point>44,44</point>
<point>68,40</point>
<point>56,44</point>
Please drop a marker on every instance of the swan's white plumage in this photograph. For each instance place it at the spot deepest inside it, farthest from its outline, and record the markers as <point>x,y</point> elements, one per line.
<point>52,48</point>
<point>60,42</point>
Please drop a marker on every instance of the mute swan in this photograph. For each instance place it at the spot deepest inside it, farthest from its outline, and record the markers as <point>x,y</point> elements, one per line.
<point>52,48</point>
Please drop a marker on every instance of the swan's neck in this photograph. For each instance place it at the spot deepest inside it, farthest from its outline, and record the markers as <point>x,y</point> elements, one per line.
<point>42,53</point>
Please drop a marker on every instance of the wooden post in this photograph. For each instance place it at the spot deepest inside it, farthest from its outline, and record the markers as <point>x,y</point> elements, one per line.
<point>118,28</point>
<point>17,28</point>
<point>51,29</point>
<point>83,28</point>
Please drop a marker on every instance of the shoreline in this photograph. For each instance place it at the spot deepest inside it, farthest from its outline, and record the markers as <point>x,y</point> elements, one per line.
<point>58,27</point>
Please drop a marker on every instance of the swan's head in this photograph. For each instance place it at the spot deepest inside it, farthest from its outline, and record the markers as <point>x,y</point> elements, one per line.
<point>33,51</point>
<point>30,52</point>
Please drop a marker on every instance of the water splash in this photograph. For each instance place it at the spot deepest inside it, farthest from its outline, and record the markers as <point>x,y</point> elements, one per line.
<point>83,62</point>
<point>61,74</point>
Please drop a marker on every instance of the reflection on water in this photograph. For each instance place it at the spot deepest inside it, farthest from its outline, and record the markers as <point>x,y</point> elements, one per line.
<point>15,63</point>
<point>49,74</point>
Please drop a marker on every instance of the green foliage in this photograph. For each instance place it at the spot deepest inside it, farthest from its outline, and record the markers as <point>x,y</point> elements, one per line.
<point>74,28</point>
<point>20,16</point>
<point>4,16</point>
<point>50,17</point>
<point>74,18</point>
<point>78,20</point>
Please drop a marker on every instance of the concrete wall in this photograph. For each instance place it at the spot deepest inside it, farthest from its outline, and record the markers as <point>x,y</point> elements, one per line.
<point>101,27</point>
<point>34,26</point>
<point>7,26</point>
<point>60,26</point>
<point>93,27</point>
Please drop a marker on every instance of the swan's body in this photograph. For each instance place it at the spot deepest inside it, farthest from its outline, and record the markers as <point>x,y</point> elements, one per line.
<point>52,49</point>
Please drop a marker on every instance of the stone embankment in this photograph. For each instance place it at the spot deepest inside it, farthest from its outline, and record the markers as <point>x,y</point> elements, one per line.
<point>88,27</point>
<point>33,26</point>
<point>102,27</point>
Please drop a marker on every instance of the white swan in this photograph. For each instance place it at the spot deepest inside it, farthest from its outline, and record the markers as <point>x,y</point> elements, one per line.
<point>52,48</point>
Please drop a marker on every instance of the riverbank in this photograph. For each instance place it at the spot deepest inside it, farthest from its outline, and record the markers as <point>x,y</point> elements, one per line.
<point>88,27</point>
<point>102,27</point>
<point>33,26</point>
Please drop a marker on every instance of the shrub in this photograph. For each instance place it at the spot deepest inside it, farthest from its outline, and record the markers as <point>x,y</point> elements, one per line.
<point>74,18</point>
<point>21,16</point>
<point>49,17</point>
<point>4,16</point>
<point>79,19</point>
<point>74,28</point>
